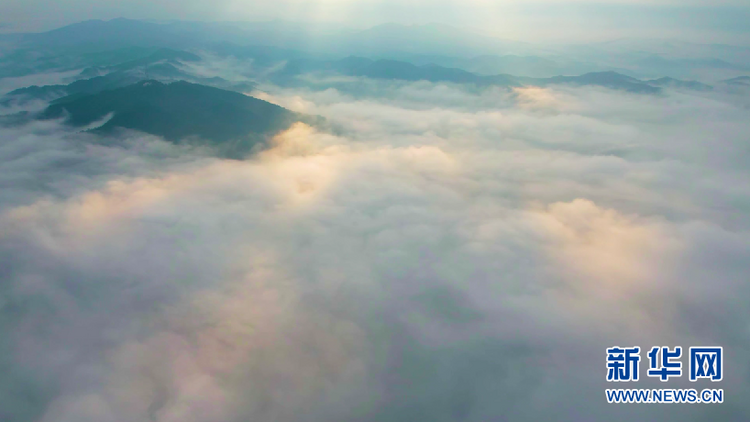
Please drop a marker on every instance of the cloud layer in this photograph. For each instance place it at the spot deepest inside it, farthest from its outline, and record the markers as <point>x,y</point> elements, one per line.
<point>440,255</point>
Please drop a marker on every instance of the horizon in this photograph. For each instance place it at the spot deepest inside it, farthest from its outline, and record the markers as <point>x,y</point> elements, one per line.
<point>543,21</point>
<point>368,27</point>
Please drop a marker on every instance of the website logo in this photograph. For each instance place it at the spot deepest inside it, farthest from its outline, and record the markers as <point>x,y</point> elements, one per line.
<point>622,364</point>
<point>706,362</point>
<point>664,363</point>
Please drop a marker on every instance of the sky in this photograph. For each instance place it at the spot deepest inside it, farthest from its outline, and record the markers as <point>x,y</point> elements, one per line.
<point>537,21</point>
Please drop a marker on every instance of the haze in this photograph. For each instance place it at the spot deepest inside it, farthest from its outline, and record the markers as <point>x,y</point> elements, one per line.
<point>537,21</point>
<point>301,211</point>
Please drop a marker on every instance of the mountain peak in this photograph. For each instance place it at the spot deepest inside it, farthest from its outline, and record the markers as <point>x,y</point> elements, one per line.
<point>178,111</point>
<point>152,82</point>
<point>740,80</point>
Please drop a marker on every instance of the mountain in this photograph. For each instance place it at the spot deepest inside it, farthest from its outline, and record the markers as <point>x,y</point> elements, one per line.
<point>115,80</point>
<point>162,65</point>
<point>739,81</point>
<point>162,56</point>
<point>23,59</point>
<point>320,38</point>
<point>80,87</point>
<point>118,32</point>
<point>510,64</point>
<point>392,69</point>
<point>270,43</point>
<point>178,111</point>
<point>532,66</point>
<point>676,83</point>
<point>385,69</point>
<point>688,67</point>
<point>702,54</point>
<point>655,58</point>
<point>612,80</point>
<point>262,56</point>
<point>661,63</point>
<point>398,70</point>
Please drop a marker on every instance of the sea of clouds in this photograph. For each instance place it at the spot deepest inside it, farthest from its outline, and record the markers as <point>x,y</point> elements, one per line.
<point>438,254</point>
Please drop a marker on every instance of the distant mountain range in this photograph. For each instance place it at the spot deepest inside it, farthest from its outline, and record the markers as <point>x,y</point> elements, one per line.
<point>272,42</point>
<point>179,111</point>
<point>740,81</point>
<point>161,56</point>
<point>383,69</point>
<point>425,39</point>
<point>612,80</point>
<point>676,83</point>
<point>159,90</point>
<point>524,65</point>
<point>163,65</point>
<point>399,70</point>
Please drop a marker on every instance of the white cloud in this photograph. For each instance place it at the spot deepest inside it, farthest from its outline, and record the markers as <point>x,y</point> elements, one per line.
<point>444,255</point>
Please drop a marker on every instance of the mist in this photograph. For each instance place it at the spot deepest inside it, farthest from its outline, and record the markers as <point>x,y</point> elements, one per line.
<point>547,21</point>
<point>439,253</point>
